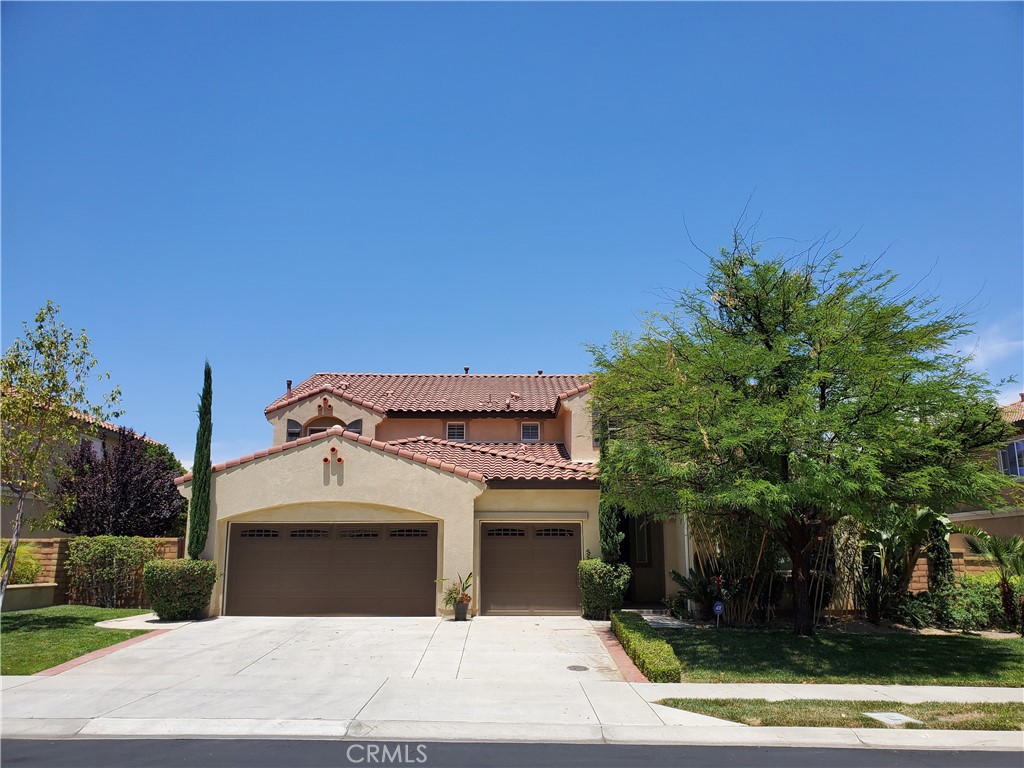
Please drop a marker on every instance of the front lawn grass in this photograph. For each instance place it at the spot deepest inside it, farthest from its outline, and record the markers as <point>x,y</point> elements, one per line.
<point>819,713</point>
<point>773,656</point>
<point>31,641</point>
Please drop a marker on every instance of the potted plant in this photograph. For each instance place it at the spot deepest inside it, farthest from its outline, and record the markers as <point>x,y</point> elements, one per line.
<point>456,596</point>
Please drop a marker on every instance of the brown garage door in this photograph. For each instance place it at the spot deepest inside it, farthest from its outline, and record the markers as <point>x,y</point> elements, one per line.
<point>331,570</point>
<point>529,569</point>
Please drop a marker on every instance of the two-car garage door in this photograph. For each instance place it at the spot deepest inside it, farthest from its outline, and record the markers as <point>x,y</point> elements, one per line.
<point>314,569</point>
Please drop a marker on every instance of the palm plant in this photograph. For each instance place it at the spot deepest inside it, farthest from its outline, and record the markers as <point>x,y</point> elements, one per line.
<point>1005,554</point>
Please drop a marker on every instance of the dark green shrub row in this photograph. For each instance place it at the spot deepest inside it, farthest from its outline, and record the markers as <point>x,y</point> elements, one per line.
<point>179,589</point>
<point>602,587</point>
<point>970,603</point>
<point>648,650</point>
<point>106,571</point>
<point>26,564</point>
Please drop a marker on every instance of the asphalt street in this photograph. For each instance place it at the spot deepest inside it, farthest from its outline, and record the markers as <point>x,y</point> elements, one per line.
<point>246,753</point>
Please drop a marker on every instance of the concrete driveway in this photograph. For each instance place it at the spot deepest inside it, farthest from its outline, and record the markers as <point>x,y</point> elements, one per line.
<point>486,648</point>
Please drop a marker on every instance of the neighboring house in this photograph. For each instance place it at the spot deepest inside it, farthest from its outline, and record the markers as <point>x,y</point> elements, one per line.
<point>379,485</point>
<point>36,508</point>
<point>1010,459</point>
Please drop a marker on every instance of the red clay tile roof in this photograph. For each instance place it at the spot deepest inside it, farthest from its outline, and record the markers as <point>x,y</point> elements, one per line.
<point>502,461</point>
<point>435,393</point>
<point>1014,412</point>
<point>505,461</point>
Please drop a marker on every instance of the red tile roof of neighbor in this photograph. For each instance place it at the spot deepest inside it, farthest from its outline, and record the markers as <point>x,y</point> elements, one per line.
<point>500,461</point>
<point>1014,412</point>
<point>433,393</point>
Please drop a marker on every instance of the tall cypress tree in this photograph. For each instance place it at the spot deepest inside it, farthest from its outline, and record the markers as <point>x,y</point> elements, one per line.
<point>199,509</point>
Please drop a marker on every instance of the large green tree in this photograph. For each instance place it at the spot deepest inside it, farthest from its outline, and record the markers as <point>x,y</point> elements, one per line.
<point>45,410</point>
<point>795,391</point>
<point>202,471</point>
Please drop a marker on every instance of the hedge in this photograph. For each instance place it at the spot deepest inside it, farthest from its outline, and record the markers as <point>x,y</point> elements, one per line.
<point>179,589</point>
<point>26,564</point>
<point>106,571</point>
<point>602,587</point>
<point>651,654</point>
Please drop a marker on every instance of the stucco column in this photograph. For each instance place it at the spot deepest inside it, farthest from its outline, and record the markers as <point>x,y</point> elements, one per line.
<point>457,552</point>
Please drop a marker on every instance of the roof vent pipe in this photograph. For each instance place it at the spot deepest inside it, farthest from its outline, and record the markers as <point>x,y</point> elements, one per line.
<point>540,372</point>
<point>289,385</point>
<point>465,369</point>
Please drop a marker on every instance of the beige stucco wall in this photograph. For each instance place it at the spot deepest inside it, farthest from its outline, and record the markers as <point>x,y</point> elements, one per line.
<point>579,434</point>
<point>369,486</point>
<point>305,411</point>
<point>504,429</point>
<point>34,512</point>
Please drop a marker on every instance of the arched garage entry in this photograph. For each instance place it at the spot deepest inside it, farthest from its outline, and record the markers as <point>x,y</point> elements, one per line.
<point>331,569</point>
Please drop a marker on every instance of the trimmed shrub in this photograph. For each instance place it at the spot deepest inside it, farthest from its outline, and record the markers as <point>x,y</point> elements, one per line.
<point>179,589</point>
<point>26,563</point>
<point>106,571</point>
<point>648,650</point>
<point>602,587</point>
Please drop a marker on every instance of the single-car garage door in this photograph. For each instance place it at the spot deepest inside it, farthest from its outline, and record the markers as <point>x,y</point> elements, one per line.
<point>529,569</point>
<point>318,569</point>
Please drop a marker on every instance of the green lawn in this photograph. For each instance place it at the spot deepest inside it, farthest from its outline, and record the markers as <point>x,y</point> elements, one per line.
<point>31,641</point>
<point>849,714</point>
<point>756,656</point>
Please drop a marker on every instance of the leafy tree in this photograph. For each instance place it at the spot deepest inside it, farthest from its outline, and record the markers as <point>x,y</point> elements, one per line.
<point>46,409</point>
<point>796,392</point>
<point>122,491</point>
<point>199,509</point>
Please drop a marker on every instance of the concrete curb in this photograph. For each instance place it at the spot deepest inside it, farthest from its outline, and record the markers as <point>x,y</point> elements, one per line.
<point>394,730</point>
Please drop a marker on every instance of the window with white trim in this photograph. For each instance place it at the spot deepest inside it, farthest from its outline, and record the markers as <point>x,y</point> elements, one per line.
<point>529,431</point>
<point>1011,459</point>
<point>456,430</point>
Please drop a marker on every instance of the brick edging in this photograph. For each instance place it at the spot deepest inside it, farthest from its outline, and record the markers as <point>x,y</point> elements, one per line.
<point>99,653</point>
<point>627,668</point>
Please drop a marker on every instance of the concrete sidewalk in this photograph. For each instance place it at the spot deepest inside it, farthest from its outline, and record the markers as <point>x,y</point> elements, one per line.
<point>467,710</point>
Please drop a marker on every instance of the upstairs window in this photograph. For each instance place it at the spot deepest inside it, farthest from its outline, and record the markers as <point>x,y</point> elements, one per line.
<point>355,426</point>
<point>456,430</point>
<point>529,432</point>
<point>294,430</point>
<point>1011,459</point>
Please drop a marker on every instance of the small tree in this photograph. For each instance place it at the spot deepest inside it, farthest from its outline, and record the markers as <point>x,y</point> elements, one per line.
<point>199,509</point>
<point>796,392</point>
<point>45,409</point>
<point>124,491</point>
<point>1003,554</point>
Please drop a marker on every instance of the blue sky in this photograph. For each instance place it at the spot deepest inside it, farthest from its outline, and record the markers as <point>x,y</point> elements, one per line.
<point>293,188</point>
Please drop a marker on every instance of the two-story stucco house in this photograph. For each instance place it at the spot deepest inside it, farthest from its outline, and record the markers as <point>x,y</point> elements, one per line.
<point>378,485</point>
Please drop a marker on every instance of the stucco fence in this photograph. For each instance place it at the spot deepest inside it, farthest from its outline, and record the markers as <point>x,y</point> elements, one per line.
<point>53,584</point>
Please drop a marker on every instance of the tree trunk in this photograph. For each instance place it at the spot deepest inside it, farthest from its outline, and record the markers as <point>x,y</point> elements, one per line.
<point>1009,602</point>
<point>803,613</point>
<point>12,549</point>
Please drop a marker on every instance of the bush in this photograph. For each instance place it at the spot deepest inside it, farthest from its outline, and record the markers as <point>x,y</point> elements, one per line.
<point>972,602</point>
<point>602,587</point>
<point>651,654</point>
<point>106,571</point>
<point>26,563</point>
<point>179,589</point>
